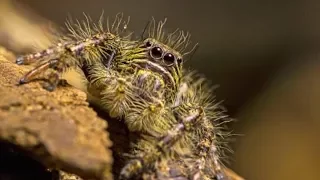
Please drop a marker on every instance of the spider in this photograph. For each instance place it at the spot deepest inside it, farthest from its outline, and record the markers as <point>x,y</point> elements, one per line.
<point>143,83</point>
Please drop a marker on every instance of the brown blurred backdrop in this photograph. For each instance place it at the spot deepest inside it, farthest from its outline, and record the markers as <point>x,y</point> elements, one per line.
<point>265,57</point>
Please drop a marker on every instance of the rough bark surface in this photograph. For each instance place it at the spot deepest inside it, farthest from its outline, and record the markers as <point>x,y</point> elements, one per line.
<point>58,129</point>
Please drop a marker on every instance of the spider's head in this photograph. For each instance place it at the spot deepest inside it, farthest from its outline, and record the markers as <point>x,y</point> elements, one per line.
<point>159,58</point>
<point>163,60</point>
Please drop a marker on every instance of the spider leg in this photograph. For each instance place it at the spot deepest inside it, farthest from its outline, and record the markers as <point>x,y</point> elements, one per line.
<point>64,59</point>
<point>58,66</point>
<point>195,116</point>
<point>109,90</point>
<point>66,56</point>
<point>86,47</point>
<point>37,70</point>
<point>32,58</point>
<point>205,163</point>
<point>136,165</point>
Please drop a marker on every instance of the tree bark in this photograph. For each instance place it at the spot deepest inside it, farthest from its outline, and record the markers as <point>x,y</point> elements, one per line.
<point>58,129</point>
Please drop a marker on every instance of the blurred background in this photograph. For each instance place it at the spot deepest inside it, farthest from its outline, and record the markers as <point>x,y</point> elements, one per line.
<point>263,54</point>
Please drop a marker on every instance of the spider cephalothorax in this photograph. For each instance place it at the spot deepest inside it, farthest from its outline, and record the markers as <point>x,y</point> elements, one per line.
<point>154,65</point>
<point>144,84</point>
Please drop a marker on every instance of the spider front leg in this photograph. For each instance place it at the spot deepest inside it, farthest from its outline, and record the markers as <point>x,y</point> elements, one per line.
<point>198,124</point>
<point>162,146</point>
<point>37,70</point>
<point>58,59</point>
<point>58,66</point>
<point>34,57</point>
<point>196,115</point>
<point>67,55</point>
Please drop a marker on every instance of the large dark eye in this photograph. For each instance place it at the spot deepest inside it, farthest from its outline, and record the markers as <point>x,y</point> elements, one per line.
<point>169,58</point>
<point>156,52</point>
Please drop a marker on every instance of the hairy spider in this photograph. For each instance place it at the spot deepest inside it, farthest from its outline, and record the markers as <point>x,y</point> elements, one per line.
<point>143,83</point>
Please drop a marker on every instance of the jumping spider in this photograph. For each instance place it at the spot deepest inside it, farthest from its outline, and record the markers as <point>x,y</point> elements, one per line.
<point>143,83</point>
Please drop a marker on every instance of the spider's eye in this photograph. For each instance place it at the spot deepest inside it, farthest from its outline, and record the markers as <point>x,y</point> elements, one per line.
<point>156,52</point>
<point>169,58</point>
<point>148,44</point>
